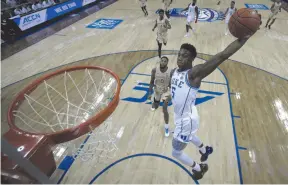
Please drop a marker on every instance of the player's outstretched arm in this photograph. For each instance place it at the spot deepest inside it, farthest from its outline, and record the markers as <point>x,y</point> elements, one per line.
<point>186,8</point>
<point>203,70</point>
<point>153,72</point>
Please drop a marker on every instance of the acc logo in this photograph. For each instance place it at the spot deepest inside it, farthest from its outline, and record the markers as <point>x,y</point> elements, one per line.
<point>31,18</point>
<point>205,14</point>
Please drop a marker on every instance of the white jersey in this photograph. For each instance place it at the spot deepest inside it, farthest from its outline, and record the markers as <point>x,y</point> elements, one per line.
<point>229,14</point>
<point>161,80</point>
<point>191,11</point>
<point>161,26</point>
<point>183,95</point>
<point>276,7</point>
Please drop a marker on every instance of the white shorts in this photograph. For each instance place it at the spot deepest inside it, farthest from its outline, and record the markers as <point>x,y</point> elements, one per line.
<point>162,38</point>
<point>190,20</point>
<point>162,96</point>
<point>273,15</point>
<point>227,20</point>
<point>186,127</point>
<point>142,3</point>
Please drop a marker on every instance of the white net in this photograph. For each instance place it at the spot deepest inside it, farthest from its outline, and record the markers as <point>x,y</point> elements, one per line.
<point>67,100</point>
<point>101,145</point>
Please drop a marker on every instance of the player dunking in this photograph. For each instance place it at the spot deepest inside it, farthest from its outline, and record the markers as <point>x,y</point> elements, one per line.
<point>166,5</point>
<point>192,13</point>
<point>143,7</point>
<point>160,80</point>
<point>185,82</point>
<point>229,12</point>
<point>162,25</point>
<point>275,9</point>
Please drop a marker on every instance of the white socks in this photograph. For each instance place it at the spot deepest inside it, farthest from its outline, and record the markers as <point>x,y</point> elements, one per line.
<point>185,159</point>
<point>203,149</point>
<point>197,167</point>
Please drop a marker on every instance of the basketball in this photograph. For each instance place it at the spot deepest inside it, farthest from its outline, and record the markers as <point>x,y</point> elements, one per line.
<point>244,22</point>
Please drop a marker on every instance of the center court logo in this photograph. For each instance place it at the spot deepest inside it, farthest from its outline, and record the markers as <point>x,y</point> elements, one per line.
<point>205,14</point>
<point>105,23</point>
<point>144,87</point>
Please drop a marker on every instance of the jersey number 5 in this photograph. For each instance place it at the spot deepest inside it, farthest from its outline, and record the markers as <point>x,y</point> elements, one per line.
<point>173,91</point>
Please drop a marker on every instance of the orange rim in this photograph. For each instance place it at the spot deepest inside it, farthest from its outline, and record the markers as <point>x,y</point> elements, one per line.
<point>73,132</point>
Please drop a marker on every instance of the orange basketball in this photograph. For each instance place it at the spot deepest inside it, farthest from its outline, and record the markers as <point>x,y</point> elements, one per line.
<point>244,22</point>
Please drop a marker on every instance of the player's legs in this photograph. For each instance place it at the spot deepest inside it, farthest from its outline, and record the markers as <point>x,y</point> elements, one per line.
<point>145,9</point>
<point>226,28</point>
<point>177,151</point>
<point>271,17</point>
<point>188,26</point>
<point>166,9</point>
<point>159,48</point>
<point>205,151</point>
<point>267,22</point>
<point>164,39</point>
<point>271,23</point>
<point>156,102</point>
<point>166,116</point>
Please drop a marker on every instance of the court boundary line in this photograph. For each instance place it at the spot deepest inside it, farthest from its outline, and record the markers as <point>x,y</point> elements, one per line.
<point>140,155</point>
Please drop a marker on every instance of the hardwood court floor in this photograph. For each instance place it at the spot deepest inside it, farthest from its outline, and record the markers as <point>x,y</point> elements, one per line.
<point>248,127</point>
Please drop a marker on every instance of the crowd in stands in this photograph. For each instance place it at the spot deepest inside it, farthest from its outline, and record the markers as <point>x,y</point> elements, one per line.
<point>17,7</point>
<point>13,8</point>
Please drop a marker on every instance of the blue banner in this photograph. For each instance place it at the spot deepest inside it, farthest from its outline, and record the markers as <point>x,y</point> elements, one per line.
<point>28,21</point>
<point>257,6</point>
<point>63,8</point>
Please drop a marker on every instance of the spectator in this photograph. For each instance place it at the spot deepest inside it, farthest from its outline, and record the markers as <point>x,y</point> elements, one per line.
<point>11,3</point>
<point>17,11</point>
<point>39,5</point>
<point>45,4</point>
<point>24,9</point>
<point>51,2</point>
<point>28,8</point>
<point>34,6</point>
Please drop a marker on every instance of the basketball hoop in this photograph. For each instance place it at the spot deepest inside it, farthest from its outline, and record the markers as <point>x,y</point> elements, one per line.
<point>65,104</point>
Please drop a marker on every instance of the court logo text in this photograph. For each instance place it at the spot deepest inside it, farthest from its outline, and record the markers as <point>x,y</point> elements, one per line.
<point>257,6</point>
<point>209,95</point>
<point>105,23</point>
